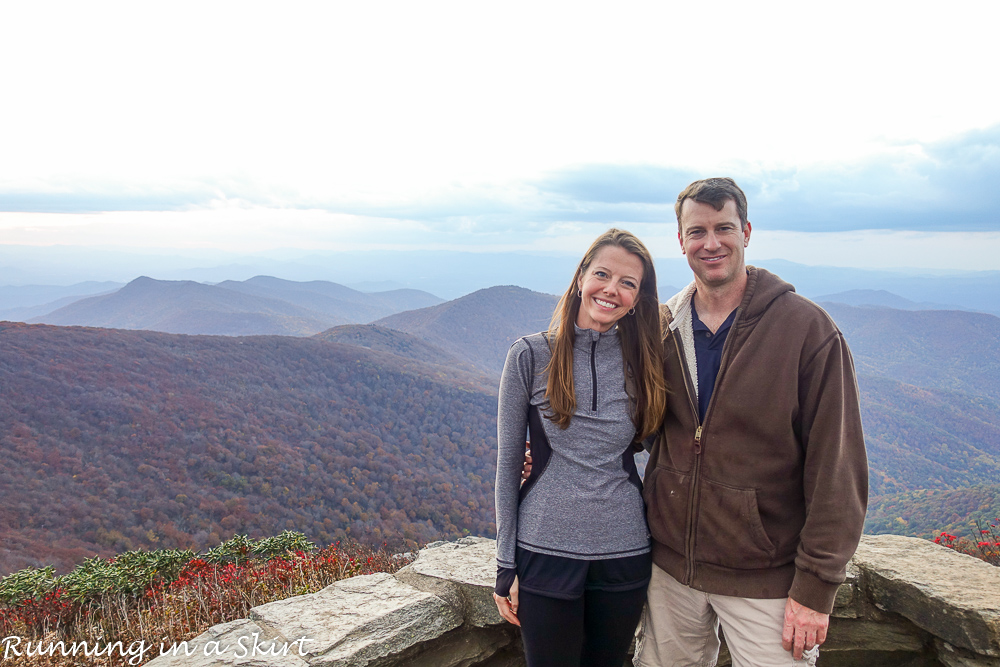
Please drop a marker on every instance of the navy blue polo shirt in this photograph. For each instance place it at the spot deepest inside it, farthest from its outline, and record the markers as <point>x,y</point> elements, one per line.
<point>708,353</point>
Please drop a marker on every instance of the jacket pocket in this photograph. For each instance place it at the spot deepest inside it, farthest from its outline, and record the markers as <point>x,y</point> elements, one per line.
<point>730,532</point>
<point>667,493</point>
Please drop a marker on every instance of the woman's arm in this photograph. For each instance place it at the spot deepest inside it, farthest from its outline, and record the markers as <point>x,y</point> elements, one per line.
<point>512,425</point>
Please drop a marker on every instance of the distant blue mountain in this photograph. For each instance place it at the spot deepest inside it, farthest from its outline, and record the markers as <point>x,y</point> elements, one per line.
<point>261,305</point>
<point>881,298</point>
<point>30,296</point>
<point>965,290</point>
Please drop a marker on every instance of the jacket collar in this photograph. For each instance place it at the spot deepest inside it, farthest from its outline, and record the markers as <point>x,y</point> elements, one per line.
<point>763,287</point>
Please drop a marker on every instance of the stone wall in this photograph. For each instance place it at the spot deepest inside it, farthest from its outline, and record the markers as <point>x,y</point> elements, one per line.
<point>906,602</point>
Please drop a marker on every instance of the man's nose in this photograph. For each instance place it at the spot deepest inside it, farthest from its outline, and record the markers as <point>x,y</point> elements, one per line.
<point>711,241</point>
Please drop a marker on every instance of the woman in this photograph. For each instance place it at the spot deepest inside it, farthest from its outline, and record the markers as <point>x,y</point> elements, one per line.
<point>573,549</point>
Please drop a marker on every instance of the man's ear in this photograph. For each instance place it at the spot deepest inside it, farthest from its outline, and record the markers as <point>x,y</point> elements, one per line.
<point>681,241</point>
<point>746,235</point>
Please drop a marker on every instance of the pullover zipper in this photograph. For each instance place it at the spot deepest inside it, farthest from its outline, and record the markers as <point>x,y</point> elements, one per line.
<point>593,373</point>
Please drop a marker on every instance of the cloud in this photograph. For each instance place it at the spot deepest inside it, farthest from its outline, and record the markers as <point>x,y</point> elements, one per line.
<point>944,186</point>
<point>98,202</point>
<point>948,185</point>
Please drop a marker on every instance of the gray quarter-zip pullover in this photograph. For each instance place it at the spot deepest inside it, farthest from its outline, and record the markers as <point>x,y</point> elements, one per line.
<point>586,502</point>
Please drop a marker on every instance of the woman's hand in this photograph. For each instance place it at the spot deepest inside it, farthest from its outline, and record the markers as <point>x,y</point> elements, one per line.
<point>508,606</point>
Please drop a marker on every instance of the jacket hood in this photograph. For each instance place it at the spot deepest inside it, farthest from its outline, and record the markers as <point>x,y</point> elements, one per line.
<point>763,287</point>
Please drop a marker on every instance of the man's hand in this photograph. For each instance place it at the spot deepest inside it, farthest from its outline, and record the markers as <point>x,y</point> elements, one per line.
<point>508,605</point>
<point>803,629</point>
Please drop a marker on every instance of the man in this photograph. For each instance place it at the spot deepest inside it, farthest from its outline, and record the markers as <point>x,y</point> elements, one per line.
<point>757,486</point>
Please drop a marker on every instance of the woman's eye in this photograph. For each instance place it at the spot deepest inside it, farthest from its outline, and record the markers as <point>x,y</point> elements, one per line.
<point>629,284</point>
<point>600,274</point>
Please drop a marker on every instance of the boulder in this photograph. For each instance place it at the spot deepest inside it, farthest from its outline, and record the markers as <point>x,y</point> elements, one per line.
<point>461,572</point>
<point>950,595</point>
<point>357,622</point>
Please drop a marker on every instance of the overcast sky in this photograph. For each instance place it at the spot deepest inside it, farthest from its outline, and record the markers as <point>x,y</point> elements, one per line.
<point>865,134</point>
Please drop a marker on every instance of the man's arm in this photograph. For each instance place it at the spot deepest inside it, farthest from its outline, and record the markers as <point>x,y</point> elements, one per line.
<point>835,480</point>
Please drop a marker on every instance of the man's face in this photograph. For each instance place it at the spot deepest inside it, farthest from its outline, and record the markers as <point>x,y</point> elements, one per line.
<point>713,242</point>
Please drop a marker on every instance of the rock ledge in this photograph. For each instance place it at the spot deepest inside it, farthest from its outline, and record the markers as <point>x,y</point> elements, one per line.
<point>906,601</point>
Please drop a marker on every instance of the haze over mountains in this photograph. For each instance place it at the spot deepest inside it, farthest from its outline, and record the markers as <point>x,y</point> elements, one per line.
<point>260,305</point>
<point>119,439</point>
<point>451,274</point>
<point>878,297</point>
<point>21,303</point>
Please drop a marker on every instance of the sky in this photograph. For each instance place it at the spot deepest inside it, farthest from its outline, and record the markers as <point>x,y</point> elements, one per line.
<point>864,134</point>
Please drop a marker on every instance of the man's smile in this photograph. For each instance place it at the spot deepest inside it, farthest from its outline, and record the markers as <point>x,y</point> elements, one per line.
<point>713,258</point>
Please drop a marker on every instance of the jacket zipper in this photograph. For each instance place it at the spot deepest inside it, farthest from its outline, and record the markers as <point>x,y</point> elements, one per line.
<point>593,373</point>
<point>692,493</point>
<point>689,543</point>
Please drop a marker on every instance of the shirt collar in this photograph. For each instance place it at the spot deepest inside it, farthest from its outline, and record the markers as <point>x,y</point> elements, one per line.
<point>588,336</point>
<point>698,325</point>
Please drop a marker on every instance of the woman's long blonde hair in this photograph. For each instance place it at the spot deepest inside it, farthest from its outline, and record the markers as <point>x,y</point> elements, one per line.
<point>639,333</point>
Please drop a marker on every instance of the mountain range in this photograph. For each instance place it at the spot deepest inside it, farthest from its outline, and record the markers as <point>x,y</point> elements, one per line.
<point>260,305</point>
<point>119,439</point>
<point>951,350</point>
<point>453,273</point>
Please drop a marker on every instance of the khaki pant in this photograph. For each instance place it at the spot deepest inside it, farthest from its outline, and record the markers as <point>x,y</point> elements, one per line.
<point>680,628</point>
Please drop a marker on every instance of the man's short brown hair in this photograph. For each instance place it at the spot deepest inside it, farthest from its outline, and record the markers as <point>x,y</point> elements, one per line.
<point>715,192</point>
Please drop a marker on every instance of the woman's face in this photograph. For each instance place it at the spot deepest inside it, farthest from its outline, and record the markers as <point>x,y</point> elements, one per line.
<point>608,288</point>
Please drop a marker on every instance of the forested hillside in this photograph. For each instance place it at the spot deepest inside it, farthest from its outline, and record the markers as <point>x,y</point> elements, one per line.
<point>922,438</point>
<point>946,349</point>
<point>927,513</point>
<point>115,440</point>
<point>481,326</point>
<point>384,339</point>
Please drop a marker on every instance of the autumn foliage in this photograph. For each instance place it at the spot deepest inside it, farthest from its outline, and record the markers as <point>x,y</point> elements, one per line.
<point>122,440</point>
<point>165,597</point>
<point>986,546</point>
